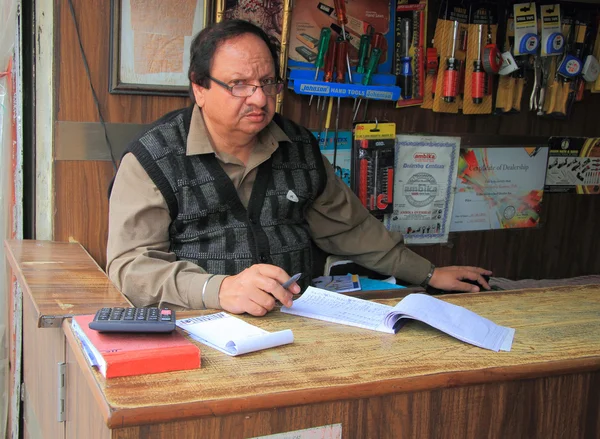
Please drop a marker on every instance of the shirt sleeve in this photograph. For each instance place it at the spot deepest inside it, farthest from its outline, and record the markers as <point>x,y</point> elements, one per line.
<point>139,262</point>
<point>342,226</point>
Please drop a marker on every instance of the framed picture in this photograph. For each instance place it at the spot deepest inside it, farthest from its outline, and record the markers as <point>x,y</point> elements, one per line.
<point>273,16</point>
<point>150,41</point>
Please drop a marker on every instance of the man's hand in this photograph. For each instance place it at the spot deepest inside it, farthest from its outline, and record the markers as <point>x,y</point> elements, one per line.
<point>255,289</point>
<point>449,278</point>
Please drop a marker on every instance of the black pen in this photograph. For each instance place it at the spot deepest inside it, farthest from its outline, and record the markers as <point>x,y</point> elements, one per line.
<point>292,279</point>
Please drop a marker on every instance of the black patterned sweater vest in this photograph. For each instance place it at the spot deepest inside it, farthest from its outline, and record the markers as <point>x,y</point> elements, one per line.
<point>210,226</point>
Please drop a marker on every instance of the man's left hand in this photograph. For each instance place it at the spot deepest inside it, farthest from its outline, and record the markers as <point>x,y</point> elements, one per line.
<point>451,278</point>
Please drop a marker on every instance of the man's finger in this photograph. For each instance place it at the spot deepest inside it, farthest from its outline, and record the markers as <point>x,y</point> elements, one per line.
<point>463,286</point>
<point>273,272</point>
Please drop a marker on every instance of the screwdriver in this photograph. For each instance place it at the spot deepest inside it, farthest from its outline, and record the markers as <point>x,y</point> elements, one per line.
<point>373,61</point>
<point>363,51</point>
<point>340,11</point>
<point>406,73</point>
<point>478,75</point>
<point>323,46</point>
<point>328,119</point>
<point>376,40</point>
<point>329,66</point>
<point>342,53</point>
<point>328,70</point>
<point>451,73</point>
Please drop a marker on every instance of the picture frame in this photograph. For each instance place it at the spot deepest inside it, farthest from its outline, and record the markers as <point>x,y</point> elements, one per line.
<point>273,16</point>
<point>149,45</point>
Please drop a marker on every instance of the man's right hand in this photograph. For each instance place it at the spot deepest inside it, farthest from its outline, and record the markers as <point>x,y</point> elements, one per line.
<point>255,289</point>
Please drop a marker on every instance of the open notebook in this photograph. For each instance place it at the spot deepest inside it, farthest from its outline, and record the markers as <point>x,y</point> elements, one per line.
<point>454,320</point>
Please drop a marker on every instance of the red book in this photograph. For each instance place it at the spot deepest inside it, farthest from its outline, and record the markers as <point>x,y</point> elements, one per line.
<point>125,354</point>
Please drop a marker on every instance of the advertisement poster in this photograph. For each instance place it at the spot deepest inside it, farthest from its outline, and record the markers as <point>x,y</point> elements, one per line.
<point>343,155</point>
<point>424,188</point>
<point>310,16</point>
<point>574,165</point>
<point>499,188</point>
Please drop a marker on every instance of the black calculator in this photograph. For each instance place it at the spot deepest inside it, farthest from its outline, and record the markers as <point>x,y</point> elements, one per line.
<point>134,320</point>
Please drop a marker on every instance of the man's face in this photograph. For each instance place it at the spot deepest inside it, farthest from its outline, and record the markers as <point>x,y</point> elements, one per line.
<point>241,60</point>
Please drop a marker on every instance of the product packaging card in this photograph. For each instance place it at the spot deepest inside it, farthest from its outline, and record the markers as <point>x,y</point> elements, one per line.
<point>310,16</point>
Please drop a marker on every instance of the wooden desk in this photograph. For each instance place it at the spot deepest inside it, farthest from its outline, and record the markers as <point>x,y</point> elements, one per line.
<point>58,280</point>
<point>418,383</point>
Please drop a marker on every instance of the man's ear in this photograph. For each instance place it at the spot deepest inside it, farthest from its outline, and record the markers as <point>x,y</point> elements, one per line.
<point>199,94</point>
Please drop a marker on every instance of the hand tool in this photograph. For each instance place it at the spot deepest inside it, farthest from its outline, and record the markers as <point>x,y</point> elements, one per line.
<point>323,46</point>
<point>432,67</point>
<point>342,53</point>
<point>492,58</point>
<point>373,62</point>
<point>340,11</point>
<point>478,77</point>
<point>406,76</point>
<point>451,73</point>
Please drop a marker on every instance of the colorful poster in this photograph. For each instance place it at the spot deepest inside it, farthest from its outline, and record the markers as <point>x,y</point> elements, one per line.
<point>574,165</point>
<point>343,156</point>
<point>424,184</point>
<point>309,17</point>
<point>499,188</point>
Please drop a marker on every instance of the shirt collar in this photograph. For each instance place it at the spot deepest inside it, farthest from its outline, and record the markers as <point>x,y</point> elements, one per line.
<point>199,141</point>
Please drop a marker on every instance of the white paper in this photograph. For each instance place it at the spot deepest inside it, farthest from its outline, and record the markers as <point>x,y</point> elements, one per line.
<point>452,319</point>
<point>424,184</point>
<point>231,335</point>
<point>337,308</point>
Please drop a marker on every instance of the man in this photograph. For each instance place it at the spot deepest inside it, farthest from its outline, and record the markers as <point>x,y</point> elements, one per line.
<point>217,205</point>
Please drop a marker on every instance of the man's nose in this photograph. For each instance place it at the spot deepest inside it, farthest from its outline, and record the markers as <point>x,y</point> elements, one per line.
<point>258,98</point>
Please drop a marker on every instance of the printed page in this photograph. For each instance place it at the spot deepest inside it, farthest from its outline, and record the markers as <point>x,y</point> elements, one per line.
<point>454,320</point>
<point>231,335</point>
<point>320,304</point>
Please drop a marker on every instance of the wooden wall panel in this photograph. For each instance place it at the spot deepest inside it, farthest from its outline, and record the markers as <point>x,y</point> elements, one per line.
<point>74,97</point>
<point>564,246</point>
<point>81,204</point>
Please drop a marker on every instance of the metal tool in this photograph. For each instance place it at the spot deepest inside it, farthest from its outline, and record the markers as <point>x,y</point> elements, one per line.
<point>340,11</point>
<point>323,46</point>
<point>451,73</point>
<point>478,77</point>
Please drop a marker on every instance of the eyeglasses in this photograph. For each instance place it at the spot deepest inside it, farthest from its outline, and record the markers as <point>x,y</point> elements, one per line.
<point>247,90</point>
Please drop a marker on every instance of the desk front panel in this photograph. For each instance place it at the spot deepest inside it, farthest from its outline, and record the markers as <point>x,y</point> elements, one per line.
<point>556,333</point>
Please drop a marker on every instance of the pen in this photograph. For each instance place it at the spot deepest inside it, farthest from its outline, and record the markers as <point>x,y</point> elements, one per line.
<point>292,279</point>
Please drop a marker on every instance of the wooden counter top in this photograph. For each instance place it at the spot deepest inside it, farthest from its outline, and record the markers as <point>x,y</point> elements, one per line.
<point>61,278</point>
<point>557,332</point>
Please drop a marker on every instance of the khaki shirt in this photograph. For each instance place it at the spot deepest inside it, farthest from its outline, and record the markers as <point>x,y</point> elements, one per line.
<point>138,259</point>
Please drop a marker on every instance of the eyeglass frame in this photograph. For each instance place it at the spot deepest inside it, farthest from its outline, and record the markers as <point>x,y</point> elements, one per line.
<point>229,88</point>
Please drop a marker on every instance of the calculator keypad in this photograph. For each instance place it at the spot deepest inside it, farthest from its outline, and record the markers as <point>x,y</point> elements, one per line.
<point>134,320</point>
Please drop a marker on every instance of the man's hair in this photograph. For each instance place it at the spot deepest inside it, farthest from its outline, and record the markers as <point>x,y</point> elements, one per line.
<point>205,44</point>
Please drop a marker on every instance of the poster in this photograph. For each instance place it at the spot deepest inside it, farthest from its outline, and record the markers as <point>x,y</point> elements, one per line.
<point>499,188</point>
<point>574,165</point>
<point>153,40</point>
<point>310,16</point>
<point>343,155</point>
<point>424,184</point>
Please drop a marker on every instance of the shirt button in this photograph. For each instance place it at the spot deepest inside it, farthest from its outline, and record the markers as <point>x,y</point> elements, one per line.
<point>263,258</point>
<point>252,220</point>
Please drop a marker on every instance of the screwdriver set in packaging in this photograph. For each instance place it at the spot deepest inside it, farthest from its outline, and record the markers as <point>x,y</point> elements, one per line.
<point>373,166</point>
<point>410,55</point>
